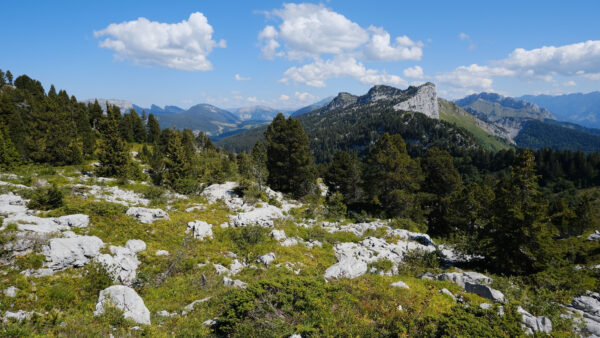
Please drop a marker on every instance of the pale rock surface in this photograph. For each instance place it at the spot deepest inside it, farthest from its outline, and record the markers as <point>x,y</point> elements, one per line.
<point>533,324</point>
<point>236,283</point>
<point>162,253</point>
<point>74,251</point>
<point>122,265</point>
<point>146,215</point>
<point>200,229</point>
<point>484,291</point>
<point>354,257</point>
<point>266,259</point>
<point>11,292</point>
<point>126,299</point>
<point>26,222</point>
<point>263,216</point>
<point>460,278</point>
<point>190,307</point>
<point>11,204</point>
<point>165,313</point>
<point>424,101</point>
<point>18,316</point>
<point>588,307</point>
<point>400,284</point>
<point>448,293</point>
<point>595,236</point>
<point>113,194</point>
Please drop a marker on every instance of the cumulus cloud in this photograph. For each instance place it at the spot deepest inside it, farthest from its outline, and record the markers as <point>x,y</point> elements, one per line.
<point>316,73</point>
<point>238,77</point>
<point>251,99</point>
<point>304,96</point>
<point>415,72</point>
<point>184,45</point>
<point>328,39</point>
<point>474,76</point>
<point>570,83</point>
<point>466,37</point>
<point>284,97</point>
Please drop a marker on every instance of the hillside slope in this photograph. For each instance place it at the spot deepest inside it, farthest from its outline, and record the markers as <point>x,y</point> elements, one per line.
<point>577,108</point>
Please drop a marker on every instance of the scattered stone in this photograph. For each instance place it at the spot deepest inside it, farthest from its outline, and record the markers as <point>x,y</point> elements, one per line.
<point>400,308</point>
<point>122,266</point>
<point>73,221</point>
<point>533,324</point>
<point>11,292</point>
<point>18,316</point>
<point>460,278</point>
<point>146,215</point>
<point>200,229</point>
<point>195,208</point>
<point>126,299</point>
<point>190,307</point>
<point>313,243</point>
<point>165,313</point>
<point>484,291</point>
<point>236,283</point>
<point>595,236</point>
<point>162,253</point>
<point>400,284</point>
<point>76,251</point>
<point>220,269</point>
<point>235,267</point>
<point>448,293</point>
<point>266,259</point>
<point>210,322</point>
<point>263,216</point>
<point>588,307</point>
<point>111,194</point>
<point>278,235</point>
<point>11,204</point>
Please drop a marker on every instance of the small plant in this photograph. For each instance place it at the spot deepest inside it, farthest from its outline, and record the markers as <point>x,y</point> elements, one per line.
<point>46,198</point>
<point>381,265</point>
<point>336,209</point>
<point>95,279</point>
<point>408,224</point>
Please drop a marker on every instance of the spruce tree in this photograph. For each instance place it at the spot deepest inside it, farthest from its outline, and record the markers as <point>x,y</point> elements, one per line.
<point>113,154</point>
<point>9,157</point>
<point>343,175</point>
<point>153,129</point>
<point>9,77</point>
<point>259,164</point>
<point>290,164</point>
<point>176,165</point>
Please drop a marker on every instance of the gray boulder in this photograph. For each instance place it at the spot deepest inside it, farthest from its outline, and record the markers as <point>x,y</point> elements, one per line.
<point>123,264</point>
<point>448,293</point>
<point>484,291</point>
<point>400,284</point>
<point>11,292</point>
<point>125,299</point>
<point>76,251</point>
<point>18,316</point>
<point>266,259</point>
<point>595,236</point>
<point>347,268</point>
<point>533,324</point>
<point>147,215</point>
<point>236,283</point>
<point>460,278</point>
<point>200,229</point>
<point>588,308</point>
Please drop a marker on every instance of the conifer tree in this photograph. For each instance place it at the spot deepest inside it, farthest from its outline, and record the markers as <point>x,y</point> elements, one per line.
<point>95,113</point>
<point>289,161</point>
<point>176,165</point>
<point>9,77</point>
<point>153,129</point>
<point>189,145</point>
<point>344,176</point>
<point>113,154</point>
<point>259,164</point>
<point>9,157</point>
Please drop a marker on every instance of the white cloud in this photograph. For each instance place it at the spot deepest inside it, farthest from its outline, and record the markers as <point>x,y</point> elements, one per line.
<point>379,47</point>
<point>316,73</point>
<point>464,36</point>
<point>329,40</point>
<point>238,77</point>
<point>304,96</point>
<point>570,83</point>
<point>284,97</point>
<point>415,72</point>
<point>184,45</point>
<point>474,76</point>
<point>251,99</point>
<point>578,59</point>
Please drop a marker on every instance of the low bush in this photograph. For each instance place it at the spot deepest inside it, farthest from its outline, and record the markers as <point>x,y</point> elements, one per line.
<point>46,198</point>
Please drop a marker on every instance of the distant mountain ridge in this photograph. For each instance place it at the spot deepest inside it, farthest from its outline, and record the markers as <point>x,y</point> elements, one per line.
<point>583,109</point>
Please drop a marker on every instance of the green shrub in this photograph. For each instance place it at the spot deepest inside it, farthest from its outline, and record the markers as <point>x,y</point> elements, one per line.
<point>248,238</point>
<point>155,194</point>
<point>381,265</point>
<point>46,198</point>
<point>336,209</point>
<point>417,262</point>
<point>187,186</point>
<point>408,224</point>
<point>96,279</point>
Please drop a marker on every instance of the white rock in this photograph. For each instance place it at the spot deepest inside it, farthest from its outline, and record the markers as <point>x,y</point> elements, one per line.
<point>263,216</point>
<point>595,236</point>
<point>460,278</point>
<point>18,316</point>
<point>533,324</point>
<point>165,313</point>
<point>73,221</point>
<point>162,253</point>
<point>190,307</point>
<point>63,253</point>
<point>113,194</point>
<point>235,267</point>
<point>290,242</point>
<point>220,269</point>
<point>448,293</point>
<point>126,299</point>
<point>400,284</point>
<point>266,259</point>
<point>347,268</point>
<point>313,243</point>
<point>11,204</point>
<point>210,322</point>
<point>200,229</point>
<point>424,101</point>
<point>236,283</point>
<point>122,265</point>
<point>11,291</point>
<point>146,215</point>
<point>588,308</point>
<point>278,235</point>
<point>484,291</point>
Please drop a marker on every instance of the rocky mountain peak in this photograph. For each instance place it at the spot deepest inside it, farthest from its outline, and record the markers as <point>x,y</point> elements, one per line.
<point>342,100</point>
<point>423,99</point>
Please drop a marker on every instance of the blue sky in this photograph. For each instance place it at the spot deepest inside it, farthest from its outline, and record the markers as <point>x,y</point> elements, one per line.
<point>286,55</point>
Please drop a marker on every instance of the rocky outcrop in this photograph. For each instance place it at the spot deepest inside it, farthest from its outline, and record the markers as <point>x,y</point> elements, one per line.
<point>47,224</point>
<point>18,316</point>
<point>594,236</point>
<point>125,299</point>
<point>532,324</point>
<point>146,215</point>
<point>279,235</point>
<point>588,308</point>
<point>484,291</point>
<point>423,101</point>
<point>354,257</point>
<point>10,292</point>
<point>461,278</point>
<point>200,229</point>
<point>400,284</point>
<point>263,216</point>
<point>111,194</point>
<point>266,259</point>
<point>236,283</point>
<point>73,251</point>
<point>122,265</point>
<point>11,204</point>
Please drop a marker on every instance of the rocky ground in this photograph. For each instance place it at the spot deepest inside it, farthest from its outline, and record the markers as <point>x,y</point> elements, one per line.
<point>116,260</point>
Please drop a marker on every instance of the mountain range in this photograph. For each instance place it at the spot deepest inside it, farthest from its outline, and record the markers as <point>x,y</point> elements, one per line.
<point>583,109</point>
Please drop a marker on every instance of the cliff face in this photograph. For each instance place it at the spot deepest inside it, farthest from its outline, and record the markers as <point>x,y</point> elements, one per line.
<point>424,101</point>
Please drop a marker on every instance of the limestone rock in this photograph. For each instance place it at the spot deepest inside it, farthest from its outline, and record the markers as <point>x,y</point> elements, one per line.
<point>595,236</point>
<point>76,251</point>
<point>123,264</point>
<point>200,229</point>
<point>11,204</point>
<point>162,253</point>
<point>533,324</point>
<point>11,291</point>
<point>190,307</point>
<point>400,284</point>
<point>126,299</point>
<point>278,235</point>
<point>588,307</point>
<point>424,101</point>
<point>18,316</point>
<point>146,215</point>
<point>73,221</point>
<point>484,291</point>
<point>266,259</point>
<point>263,216</point>
<point>448,293</point>
<point>460,278</point>
<point>236,283</point>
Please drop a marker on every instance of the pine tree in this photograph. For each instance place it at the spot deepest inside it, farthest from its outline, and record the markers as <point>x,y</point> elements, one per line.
<point>391,177</point>
<point>189,145</point>
<point>517,239</point>
<point>113,154</point>
<point>9,157</point>
<point>176,165</point>
<point>153,129</point>
<point>290,164</point>
<point>259,162</point>
<point>9,77</point>
<point>344,176</point>
<point>95,113</point>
